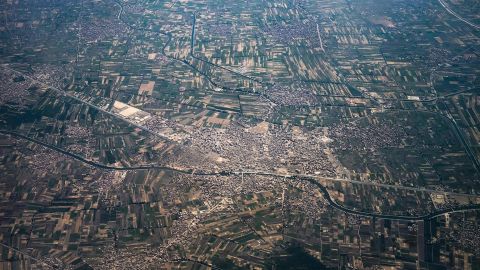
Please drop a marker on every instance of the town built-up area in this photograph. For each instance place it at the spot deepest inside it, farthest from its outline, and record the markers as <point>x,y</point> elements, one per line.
<point>220,134</point>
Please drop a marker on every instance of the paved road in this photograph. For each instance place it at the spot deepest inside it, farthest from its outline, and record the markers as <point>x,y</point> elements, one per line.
<point>67,94</point>
<point>121,10</point>
<point>308,178</point>
<point>189,171</point>
<point>317,177</point>
<point>223,173</point>
<point>385,216</point>
<point>192,44</point>
<point>471,154</point>
<point>192,39</point>
<point>29,256</point>
<point>452,12</point>
<point>99,165</point>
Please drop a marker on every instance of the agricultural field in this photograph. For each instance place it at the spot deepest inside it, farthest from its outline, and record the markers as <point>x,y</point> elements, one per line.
<point>289,134</point>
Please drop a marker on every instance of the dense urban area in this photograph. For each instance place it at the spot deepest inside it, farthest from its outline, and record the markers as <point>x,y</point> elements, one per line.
<point>220,134</point>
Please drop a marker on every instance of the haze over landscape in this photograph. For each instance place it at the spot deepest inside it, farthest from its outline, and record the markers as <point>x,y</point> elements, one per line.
<point>219,134</point>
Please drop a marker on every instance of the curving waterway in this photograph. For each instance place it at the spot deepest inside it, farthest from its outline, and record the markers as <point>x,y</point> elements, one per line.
<point>311,180</point>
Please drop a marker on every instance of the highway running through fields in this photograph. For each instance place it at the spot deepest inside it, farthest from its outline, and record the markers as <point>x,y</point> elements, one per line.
<point>308,178</point>
<point>456,15</point>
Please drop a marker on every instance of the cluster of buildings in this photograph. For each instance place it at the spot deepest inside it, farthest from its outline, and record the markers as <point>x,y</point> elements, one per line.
<point>151,102</point>
<point>286,96</point>
<point>83,141</point>
<point>359,136</point>
<point>97,30</point>
<point>264,147</point>
<point>53,75</point>
<point>299,30</point>
<point>466,234</point>
<point>219,29</point>
<point>13,87</point>
<point>43,160</point>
